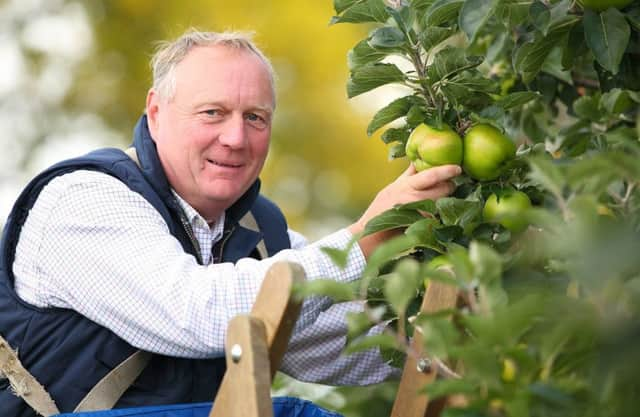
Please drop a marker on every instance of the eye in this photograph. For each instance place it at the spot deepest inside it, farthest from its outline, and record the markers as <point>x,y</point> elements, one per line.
<point>212,112</point>
<point>256,120</point>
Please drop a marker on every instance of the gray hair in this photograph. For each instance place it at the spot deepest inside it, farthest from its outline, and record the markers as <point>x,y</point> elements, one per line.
<point>170,53</point>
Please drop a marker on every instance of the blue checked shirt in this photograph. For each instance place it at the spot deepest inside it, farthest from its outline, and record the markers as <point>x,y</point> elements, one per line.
<point>92,245</point>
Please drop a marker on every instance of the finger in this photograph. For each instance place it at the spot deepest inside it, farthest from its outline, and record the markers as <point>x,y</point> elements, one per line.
<point>411,169</point>
<point>439,190</point>
<point>432,176</point>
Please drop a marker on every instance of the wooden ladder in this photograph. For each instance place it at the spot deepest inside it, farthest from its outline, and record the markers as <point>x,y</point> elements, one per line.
<point>257,342</point>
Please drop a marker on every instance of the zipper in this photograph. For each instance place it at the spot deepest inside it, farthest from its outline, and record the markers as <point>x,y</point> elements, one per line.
<point>217,257</point>
<point>194,242</point>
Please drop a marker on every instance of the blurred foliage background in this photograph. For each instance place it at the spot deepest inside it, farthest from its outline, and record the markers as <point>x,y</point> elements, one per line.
<point>74,76</point>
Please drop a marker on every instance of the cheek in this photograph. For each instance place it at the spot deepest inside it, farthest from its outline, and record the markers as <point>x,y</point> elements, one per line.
<point>260,145</point>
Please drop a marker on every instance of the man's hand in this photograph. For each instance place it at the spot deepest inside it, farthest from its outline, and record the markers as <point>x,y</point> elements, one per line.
<point>411,186</point>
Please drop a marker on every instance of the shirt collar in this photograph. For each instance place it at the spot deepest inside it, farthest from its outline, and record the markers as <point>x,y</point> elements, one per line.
<point>196,220</point>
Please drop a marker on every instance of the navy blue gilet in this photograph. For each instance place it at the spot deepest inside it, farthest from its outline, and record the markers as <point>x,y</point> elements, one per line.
<point>68,353</point>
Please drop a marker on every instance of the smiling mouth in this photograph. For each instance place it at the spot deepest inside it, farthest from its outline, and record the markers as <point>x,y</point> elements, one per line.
<point>224,164</point>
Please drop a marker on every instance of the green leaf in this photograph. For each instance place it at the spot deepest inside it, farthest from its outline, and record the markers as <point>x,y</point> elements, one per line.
<point>359,12</point>
<point>529,58</point>
<point>607,35</point>
<point>575,47</point>
<point>517,99</point>
<point>341,5</point>
<point>473,16</point>
<point>492,115</point>
<point>339,256</point>
<point>391,219</point>
<point>417,114</point>
<point>450,61</point>
<point>363,54</point>
<point>358,323</point>
<point>454,211</point>
<point>390,249</point>
<point>371,76</point>
<point>403,285</point>
<point>424,231</point>
<point>447,234</point>
<point>615,101</point>
<point>540,15</point>
<point>379,340</point>
<point>424,205</point>
<point>473,81</point>
<point>492,233</point>
<point>394,110</point>
<point>512,13</point>
<point>545,173</point>
<point>396,134</point>
<point>403,18</point>
<point>587,107</point>
<point>487,264</point>
<point>421,5</point>
<point>433,36</point>
<point>387,37</point>
<point>442,11</point>
<point>338,291</point>
<point>544,17</point>
<point>553,66</point>
<point>633,16</point>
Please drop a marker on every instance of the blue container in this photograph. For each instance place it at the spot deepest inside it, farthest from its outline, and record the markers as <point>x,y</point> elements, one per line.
<point>282,407</point>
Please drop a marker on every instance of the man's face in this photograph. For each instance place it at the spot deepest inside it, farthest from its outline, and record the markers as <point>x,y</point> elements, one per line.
<point>213,135</point>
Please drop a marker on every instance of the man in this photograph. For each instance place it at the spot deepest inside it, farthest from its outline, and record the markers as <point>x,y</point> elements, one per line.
<point>104,255</point>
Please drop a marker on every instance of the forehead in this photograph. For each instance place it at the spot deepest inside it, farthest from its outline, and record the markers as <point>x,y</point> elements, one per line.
<point>218,68</point>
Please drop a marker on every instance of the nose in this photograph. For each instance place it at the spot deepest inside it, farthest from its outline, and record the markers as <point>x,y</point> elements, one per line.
<point>232,133</point>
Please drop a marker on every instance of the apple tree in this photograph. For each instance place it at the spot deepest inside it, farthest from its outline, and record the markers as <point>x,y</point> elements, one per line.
<point>542,234</point>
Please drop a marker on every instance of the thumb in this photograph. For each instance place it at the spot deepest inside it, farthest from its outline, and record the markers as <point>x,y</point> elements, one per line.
<point>409,171</point>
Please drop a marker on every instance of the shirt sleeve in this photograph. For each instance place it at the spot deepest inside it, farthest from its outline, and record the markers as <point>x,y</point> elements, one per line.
<point>316,353</point>
<point>93,245</point>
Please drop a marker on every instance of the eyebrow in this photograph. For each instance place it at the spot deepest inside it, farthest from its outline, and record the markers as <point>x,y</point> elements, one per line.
<point>266,109</point>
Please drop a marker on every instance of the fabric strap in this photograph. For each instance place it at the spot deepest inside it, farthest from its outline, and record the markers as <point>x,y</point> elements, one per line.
<point>106,393</point>
<point>23,384</point>
<point>249,222</point>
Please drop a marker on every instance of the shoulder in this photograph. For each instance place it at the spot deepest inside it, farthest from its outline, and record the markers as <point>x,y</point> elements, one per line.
<point>263,208</point>
<point>87,193</point>
<point>272,223</point>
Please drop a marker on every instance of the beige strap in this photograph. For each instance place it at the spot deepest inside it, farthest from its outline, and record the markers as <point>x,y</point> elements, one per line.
<point>23,384</point>
<point>249,222</point>
<point>131,153</point>
<point>106,393</point>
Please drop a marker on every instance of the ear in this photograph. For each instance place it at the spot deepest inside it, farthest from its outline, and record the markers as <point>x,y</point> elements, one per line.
<point>152,109</point>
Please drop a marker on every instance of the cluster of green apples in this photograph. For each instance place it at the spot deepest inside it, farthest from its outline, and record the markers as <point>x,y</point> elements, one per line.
<point>483,153</point>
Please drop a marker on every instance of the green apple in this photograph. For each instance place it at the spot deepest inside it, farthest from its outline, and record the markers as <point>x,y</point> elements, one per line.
<point>486,150</point>
<point>429,146</point>
<point>507,209</point>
